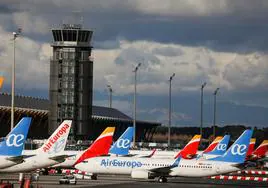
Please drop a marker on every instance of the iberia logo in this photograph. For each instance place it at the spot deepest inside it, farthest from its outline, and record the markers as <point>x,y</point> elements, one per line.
<point>55,138</point>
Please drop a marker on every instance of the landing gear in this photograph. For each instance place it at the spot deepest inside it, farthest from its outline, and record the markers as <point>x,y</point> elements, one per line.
<point>59,171</point>
<point>162,179</point>
<point>44,171</point>
<point>94,177</point>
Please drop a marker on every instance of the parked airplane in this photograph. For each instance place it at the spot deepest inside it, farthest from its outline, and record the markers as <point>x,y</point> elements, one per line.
<point>251,146</point>
<point>122,145</point>
<point>49,154</point>
<point>12,145</point>
<point>173,154</point>
<point>219,150</point>
<point>260,152</point>
<point>149,168</point>
<point>99,147</point>
<point>213,144</point>
<point>189,151</point>
<point>1,81</point>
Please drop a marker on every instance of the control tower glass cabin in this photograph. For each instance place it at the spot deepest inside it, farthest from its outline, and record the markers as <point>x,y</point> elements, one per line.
<point>71,80</point>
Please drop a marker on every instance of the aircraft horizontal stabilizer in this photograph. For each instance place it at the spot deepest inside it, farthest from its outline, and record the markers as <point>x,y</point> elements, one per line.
<point>59,158</point>
<point>16,159</point>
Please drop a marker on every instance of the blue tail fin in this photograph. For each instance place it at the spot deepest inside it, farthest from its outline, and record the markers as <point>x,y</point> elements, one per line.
<point>13,144</point>
<point>122,145</point>
<point>221,147</point>
<point>238,151</point>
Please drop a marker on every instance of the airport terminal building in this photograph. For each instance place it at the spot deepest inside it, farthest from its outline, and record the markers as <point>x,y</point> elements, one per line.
<point>38,109</point>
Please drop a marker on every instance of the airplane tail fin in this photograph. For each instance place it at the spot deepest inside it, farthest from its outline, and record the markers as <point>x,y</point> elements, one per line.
<point>213,144</point>
<point>58,140</point>
<point>100,146</point>
<point>1,81</point>
<point>122,145</point>
<point>221,148</point>
<point>251,146</point>
<point>190,149</point>
<point>13,144</point>
<point>238,150</point>
<point>261,150</point>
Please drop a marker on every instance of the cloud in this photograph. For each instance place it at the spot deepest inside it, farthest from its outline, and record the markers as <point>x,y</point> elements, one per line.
<point>248,72</point>
<point>30,23</point>
<point>192,65</point>
<point>32,61</point>
<point>223,25</point>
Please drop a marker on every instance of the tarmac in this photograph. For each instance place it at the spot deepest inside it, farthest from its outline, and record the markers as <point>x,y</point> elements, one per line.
<point>126,181</point>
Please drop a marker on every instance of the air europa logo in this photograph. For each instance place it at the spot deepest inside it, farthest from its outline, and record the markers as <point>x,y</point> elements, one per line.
<point>55,138</point>
<point>120,163</point>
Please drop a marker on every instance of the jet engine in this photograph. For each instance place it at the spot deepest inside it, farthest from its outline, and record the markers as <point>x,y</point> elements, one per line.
<point>141,174</point>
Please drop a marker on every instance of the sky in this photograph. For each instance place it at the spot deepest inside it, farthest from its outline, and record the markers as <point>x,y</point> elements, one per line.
<point>222,43</point>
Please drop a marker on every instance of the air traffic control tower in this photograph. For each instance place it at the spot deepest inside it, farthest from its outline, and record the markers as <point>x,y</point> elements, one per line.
<point>71,79</point>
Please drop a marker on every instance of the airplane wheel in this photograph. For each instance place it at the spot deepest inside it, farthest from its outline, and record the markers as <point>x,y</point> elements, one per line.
<point>162,179</point>
<point>94,177</point>
<point>59,171</point>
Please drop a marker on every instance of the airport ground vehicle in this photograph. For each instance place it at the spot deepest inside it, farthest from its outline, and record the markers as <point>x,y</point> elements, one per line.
<point>68,179</point>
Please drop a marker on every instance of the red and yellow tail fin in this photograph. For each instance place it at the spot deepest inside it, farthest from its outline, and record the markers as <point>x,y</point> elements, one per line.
<point>261,150</point>
<point>100,146</point>
<point>213,144</point>
<point>251,146</point>
<point>1,81</point>
<point>191,148</point>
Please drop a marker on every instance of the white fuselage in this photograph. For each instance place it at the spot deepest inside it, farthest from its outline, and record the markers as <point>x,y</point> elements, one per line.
<point>4,162</point>
<point>30,164</point>
<point>69,161</point>
<point>126,165</point>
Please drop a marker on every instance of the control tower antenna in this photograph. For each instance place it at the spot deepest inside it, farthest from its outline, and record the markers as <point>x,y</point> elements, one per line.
<point>75,18</point>
<point>78,18</point>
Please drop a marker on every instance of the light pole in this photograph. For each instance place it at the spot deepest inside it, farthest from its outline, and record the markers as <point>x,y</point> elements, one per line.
<point>214,119</point>
<point>169,112</point>
<point>15,35</point>
<point>134,101</point>
<point>201,115</point>
<point>110,95</point>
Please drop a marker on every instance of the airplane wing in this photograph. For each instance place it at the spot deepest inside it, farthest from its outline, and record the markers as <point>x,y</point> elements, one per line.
<point>59,158</point>
<point>165,170</point>
<point>162,170</point>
